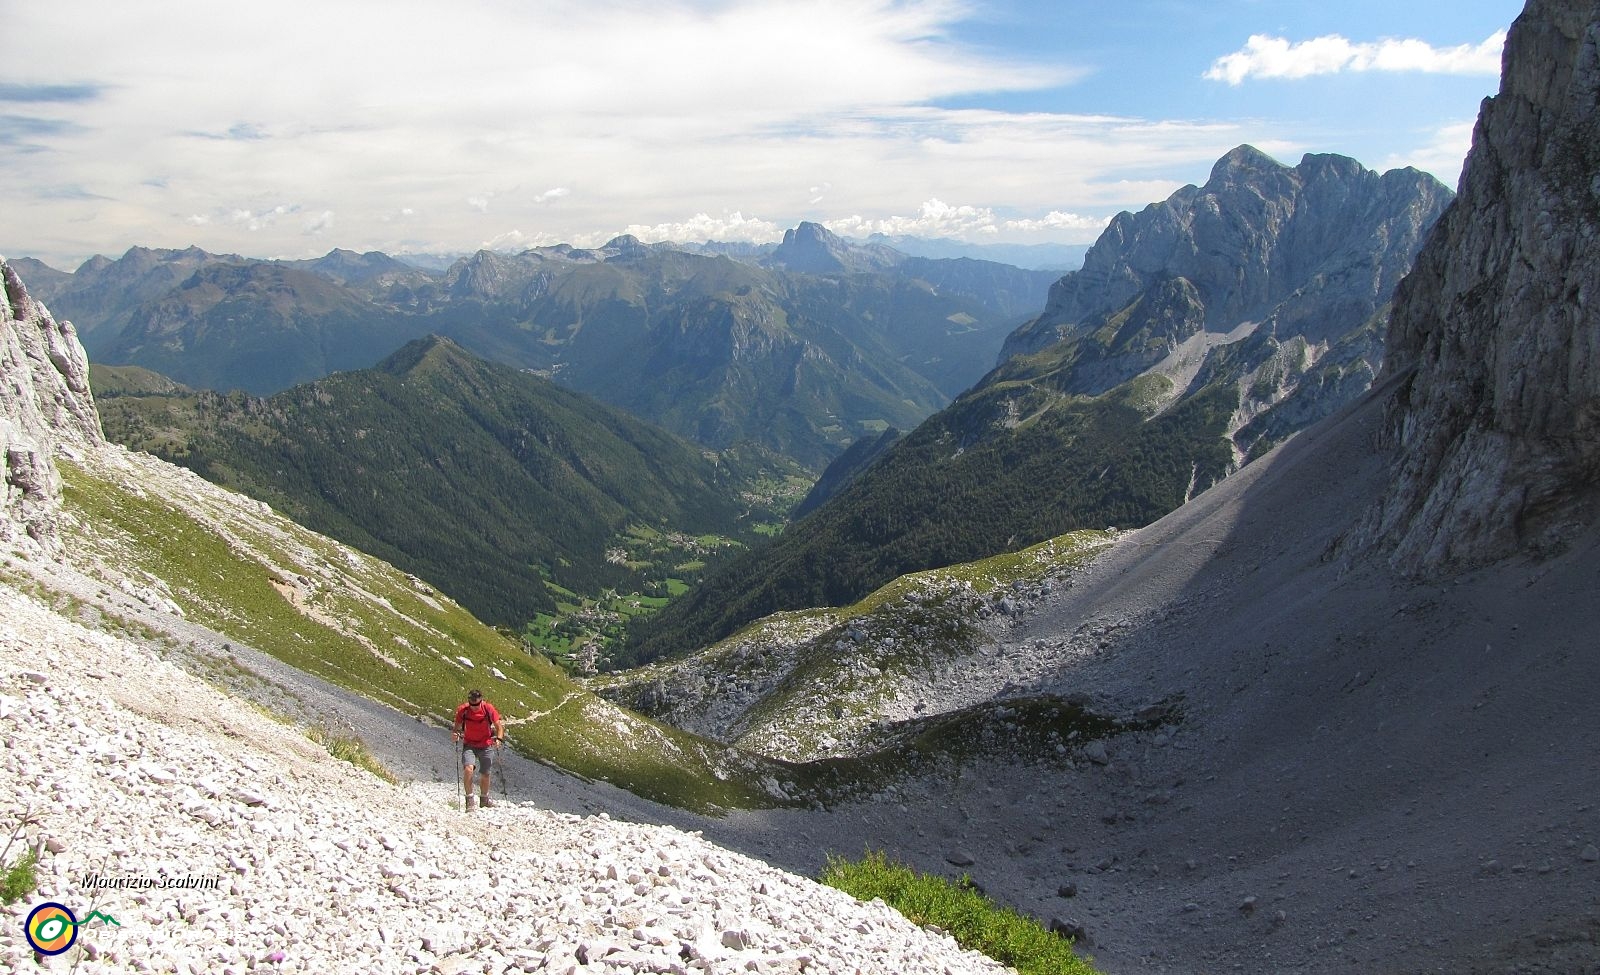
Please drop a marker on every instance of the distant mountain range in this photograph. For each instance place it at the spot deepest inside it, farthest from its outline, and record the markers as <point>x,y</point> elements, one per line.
<point>801,349</point>
<point>1199,332</point>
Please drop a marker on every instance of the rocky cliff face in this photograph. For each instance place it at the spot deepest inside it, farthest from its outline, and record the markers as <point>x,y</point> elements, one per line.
<point>1316,248</point>
<point>44,403</point>
<point>1495,338</point>
<point>1272,279</point>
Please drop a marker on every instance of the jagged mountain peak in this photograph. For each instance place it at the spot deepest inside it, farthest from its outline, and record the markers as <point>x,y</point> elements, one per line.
<point>811,248</point>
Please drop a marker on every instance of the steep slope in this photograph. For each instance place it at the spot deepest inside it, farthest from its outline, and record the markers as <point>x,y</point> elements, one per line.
<point>1200,332</point>
<point>1254,277</point>
<point>488,482</point>
<point>45,403</point>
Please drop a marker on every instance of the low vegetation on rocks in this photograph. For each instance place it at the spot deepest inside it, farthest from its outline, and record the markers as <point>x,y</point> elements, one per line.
<point>958,908</point>
<point>846,682</point>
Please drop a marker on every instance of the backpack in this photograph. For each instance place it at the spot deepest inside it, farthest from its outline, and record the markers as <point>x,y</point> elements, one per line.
<point>484,712</point>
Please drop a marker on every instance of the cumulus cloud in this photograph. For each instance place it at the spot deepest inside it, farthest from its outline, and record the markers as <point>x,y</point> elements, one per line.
<point>731,227</point>
<point>516,240</point>
<point>1441,154</point>
<point>1264,56</point>
<point>935,218</point>
<point>569,120</point>
<point>256,220</point>
<point>319,224</point>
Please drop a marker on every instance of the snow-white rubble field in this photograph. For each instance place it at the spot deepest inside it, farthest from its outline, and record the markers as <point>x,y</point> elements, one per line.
<point>131,775</point>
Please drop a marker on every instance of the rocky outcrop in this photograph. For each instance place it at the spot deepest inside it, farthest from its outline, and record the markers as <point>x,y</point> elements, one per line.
<point>1495,338</point>
<point>44,402</point>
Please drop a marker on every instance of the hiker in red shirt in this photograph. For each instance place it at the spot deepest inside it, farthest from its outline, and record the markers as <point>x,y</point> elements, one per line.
<point>479,727</point>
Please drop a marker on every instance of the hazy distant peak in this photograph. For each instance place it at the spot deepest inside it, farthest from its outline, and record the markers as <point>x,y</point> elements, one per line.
<point>812,248</point>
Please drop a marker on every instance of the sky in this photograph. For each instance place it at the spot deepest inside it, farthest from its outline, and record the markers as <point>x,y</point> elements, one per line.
<point>289,128</point>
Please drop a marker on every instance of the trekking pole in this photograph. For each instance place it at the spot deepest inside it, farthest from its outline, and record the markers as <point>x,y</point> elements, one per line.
<point>461,760</point>
<point>500,765</point>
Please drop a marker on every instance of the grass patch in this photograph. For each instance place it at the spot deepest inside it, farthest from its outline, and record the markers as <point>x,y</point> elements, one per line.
<point>976,922</point>
<point>349,748</point>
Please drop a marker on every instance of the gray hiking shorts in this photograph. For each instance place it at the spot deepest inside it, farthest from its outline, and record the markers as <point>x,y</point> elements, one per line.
<point>477,757</point>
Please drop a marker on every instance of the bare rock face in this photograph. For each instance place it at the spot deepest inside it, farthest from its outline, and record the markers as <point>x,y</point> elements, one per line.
<point>1495,338</point>
<point>44,403</point>
<point>1316,249</point>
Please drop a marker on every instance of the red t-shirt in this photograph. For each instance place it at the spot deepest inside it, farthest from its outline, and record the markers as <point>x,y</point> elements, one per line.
<point>477,724</point>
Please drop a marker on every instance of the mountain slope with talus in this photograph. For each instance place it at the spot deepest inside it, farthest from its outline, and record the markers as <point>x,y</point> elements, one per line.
<point>134,543</point>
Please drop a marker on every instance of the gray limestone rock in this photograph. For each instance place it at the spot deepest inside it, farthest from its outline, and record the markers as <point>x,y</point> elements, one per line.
<point>44,403</point>
<point>1494,345</point>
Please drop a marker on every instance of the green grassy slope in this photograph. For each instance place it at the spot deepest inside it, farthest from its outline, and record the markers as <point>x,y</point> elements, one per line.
<point>487,481</point>
<point>234,566</point>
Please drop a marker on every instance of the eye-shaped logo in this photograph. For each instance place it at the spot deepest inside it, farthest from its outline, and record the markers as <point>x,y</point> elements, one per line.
<point>51,929</point>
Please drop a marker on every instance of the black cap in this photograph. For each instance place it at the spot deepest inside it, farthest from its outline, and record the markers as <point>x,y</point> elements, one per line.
<point>474,693</point>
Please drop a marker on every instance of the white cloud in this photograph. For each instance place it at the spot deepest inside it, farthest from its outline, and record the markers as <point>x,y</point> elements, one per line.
<point>1057,220</point>
<point>1264,56</point>
<point>935,218</point>
<point>730,227</point>
<point>567,120</point>
<point>1442,155</point>
<point>257,220</point>
<point>319,224</point>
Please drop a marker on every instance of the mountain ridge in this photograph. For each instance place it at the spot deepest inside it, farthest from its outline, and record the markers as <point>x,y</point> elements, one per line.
<point>737,352</point>
<point>486,481</point>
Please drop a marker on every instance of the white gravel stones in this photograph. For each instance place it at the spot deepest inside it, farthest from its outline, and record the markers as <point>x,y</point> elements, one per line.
<point>257,853</point>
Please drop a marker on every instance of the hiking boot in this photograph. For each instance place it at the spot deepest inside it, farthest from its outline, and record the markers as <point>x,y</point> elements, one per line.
<point>470,801</point>
<point>485,803</point>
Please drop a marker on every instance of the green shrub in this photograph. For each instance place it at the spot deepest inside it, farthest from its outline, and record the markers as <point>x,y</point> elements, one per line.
<point>20,879</point>
<point>972,919</point>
